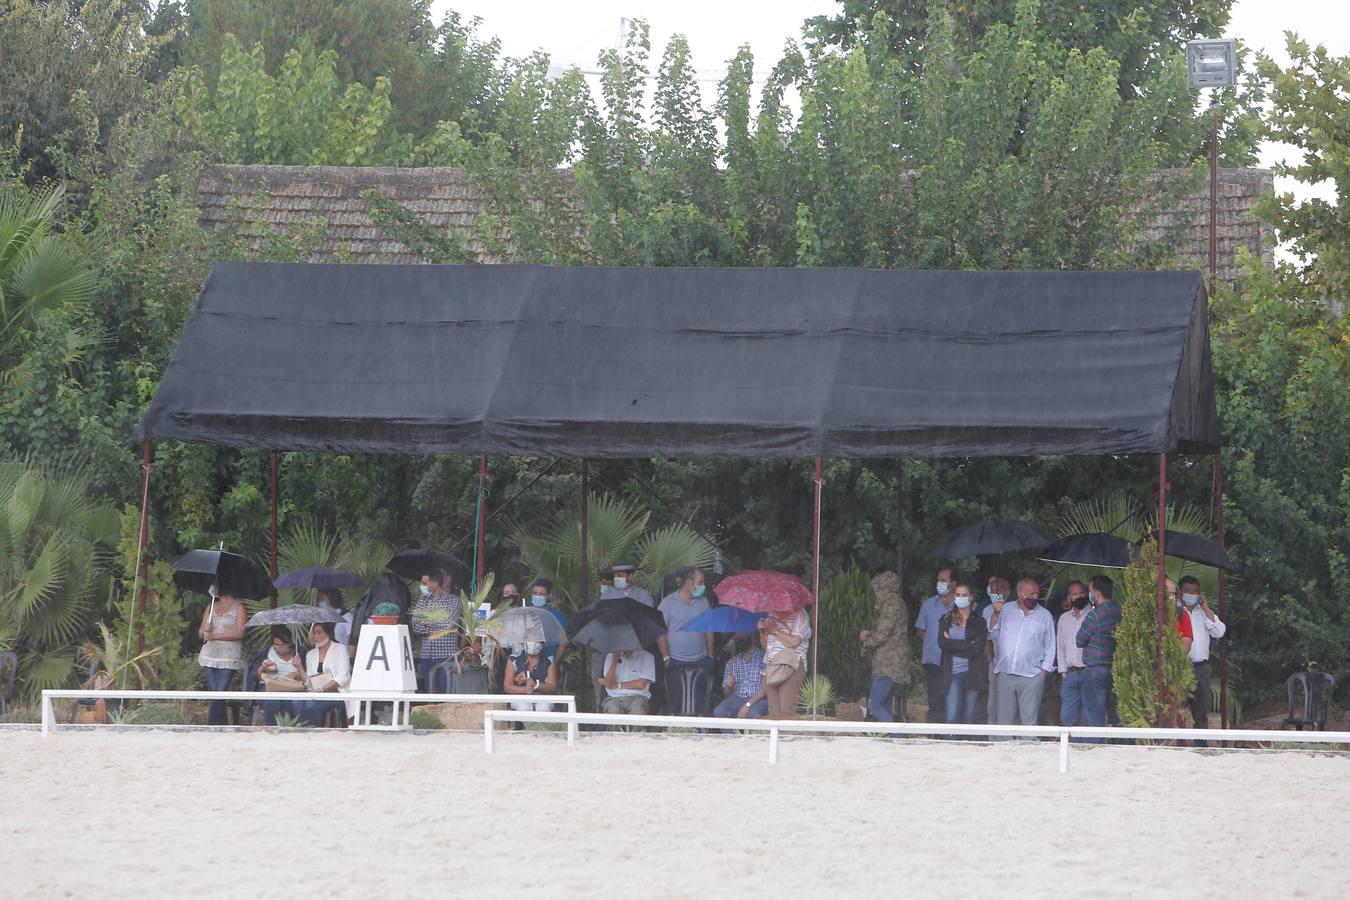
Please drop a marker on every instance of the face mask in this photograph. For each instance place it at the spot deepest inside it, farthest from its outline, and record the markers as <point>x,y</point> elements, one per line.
<point>742,645</point>
<point>533,648</point>
<point>1190,599</point>
<point>426,590</point>
<point>995,598</point>
<point>538,600</point>
<point>942,588</point>
<point>962,602</point>
<point>324,604</point>
<point>698,590</point>
<point>1030,602</point>
<point>1081,603</point>
<point>620,582</point>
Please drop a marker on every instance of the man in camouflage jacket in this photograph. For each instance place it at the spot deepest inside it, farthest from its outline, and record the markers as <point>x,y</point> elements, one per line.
<point>888,644</point>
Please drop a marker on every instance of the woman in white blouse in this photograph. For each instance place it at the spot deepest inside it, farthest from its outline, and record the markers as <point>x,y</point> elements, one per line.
<point>330,671</point>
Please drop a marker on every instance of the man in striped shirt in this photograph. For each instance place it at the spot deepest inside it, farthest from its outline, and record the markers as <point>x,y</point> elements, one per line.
<point>1097,637</point>
<point>742,680</point>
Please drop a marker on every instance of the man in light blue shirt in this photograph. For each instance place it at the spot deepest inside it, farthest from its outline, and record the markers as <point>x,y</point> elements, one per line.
<point>1024,638</point>
<point>688,655</point>
<point>930,614</point>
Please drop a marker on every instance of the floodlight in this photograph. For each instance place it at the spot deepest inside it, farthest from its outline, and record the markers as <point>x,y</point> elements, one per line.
<point>1211,63</point>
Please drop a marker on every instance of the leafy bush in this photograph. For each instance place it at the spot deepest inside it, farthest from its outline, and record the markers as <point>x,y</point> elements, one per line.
<point>817,696</point>
<point>157,714</point>
<point>845,609</point>
<point>20,717</point>
<point>1134,674</point>
<point>426,721</point>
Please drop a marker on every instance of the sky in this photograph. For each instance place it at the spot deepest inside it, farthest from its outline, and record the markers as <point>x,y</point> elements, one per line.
<point>576,33</point>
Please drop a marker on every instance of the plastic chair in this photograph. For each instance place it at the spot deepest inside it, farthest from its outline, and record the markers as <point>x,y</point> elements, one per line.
<point>1316,700</point>
<point>695,690</point>
<point>9,670</point>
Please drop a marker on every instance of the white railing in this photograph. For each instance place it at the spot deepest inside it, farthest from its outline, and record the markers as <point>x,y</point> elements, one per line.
<point>365,700</point>
<point>776,727</point>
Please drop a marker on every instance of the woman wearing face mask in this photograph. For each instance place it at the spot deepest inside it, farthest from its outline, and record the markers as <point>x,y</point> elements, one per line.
<point>330,671</point>
<point>961,637</point>
<point>331,598</point>
<point>530,671</point>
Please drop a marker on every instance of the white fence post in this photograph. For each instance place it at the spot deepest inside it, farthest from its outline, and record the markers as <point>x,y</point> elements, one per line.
<point>773,746</point>
<point>572,722</point>
<point>487,731</point>
<point>48,715</point>
<point>1064,751</point>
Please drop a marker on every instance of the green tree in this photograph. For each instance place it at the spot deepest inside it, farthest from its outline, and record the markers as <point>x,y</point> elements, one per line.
<point>1140,702</point>
<point>44,274</point>
<point>51,576</point>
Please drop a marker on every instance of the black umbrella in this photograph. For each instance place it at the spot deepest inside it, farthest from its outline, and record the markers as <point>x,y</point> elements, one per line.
<point>1105,551</point>
<point>413,564</point>
<point>231,573</point>
<point>293,614</point>
<point>993,536</point>
<point>1193,547</point>
<point>617,624</point>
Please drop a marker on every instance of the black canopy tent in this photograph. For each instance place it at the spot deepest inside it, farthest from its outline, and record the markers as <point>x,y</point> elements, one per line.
<point>707,362</point>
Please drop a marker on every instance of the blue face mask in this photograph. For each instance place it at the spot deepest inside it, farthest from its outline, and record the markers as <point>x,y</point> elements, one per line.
<point>1190,599</point>
<point>962,602</point>
<point>538,600</point>
<point>942,588</point>
<point>994,598</point>
<point>426,590</point>
<point>699,589</point>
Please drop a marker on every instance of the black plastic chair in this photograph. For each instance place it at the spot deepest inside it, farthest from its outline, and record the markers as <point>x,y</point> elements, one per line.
<point>1316,700</point>
<point>9,670</point>
<point>695,690</point>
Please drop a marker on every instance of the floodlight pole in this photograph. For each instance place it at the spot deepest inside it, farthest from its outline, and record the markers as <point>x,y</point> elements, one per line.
<point>275,466</point>
<point>815,574</point>
<point>1222,645</point>
<point>1162,584</point>
<point>142,564</point>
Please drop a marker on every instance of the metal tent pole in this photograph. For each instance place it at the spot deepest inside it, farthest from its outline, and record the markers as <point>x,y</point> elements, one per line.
<point>142,564</point>
<point>585,597</point>
<point>480,557</point>
<point>275,466</point>
<point>815,575</point>
<point>1162,583</point>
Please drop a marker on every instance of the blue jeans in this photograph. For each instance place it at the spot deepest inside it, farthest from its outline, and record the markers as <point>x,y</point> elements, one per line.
<point>960,702</point>
<point>1096,698</point>
<point>879,698</point>
<point>217,680</point>
<point>1071,697</point>
<point>423,668</point>
<point>729,707</point>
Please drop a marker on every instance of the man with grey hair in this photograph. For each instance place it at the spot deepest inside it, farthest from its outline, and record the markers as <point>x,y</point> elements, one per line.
<point>1025,638</point>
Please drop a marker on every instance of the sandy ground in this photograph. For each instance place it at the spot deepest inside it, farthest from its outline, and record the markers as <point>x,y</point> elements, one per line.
<point>164,814</point>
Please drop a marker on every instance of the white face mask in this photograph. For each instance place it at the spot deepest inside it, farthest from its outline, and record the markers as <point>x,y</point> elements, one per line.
<point>962,602</point>
<point>426,590</point>
<point>533,648</point>
<point>620,581</point>
<point>942,588</point>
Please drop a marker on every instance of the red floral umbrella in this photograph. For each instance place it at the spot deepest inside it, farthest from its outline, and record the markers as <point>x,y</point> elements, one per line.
<point>765,592</point>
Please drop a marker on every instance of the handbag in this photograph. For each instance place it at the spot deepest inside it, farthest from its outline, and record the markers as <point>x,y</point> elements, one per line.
<point>282,683</point>
<point>320,681</point>
<point>781,666</point>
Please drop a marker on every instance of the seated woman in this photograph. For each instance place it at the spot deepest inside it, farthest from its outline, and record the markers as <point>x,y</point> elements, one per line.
<point>327,657</point>
<point>530,672</point>
<point>282,664</point>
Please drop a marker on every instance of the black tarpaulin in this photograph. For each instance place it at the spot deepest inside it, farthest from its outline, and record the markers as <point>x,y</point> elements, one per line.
<point>641,362</point>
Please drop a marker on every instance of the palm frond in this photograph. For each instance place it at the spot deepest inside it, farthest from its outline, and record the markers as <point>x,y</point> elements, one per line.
<point>667,549</point>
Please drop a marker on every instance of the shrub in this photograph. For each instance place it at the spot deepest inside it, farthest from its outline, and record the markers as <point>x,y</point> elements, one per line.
<point>426,721</point>
<point>156,714</point>
<point>20,717</point>
<point>1133,672</point>
<point>817,696</point>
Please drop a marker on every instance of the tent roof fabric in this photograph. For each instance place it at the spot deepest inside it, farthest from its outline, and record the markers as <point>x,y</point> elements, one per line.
<point>703,362</point>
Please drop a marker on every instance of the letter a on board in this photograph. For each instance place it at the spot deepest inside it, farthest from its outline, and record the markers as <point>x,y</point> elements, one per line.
<point>407,654</point>
<point>378,652</point>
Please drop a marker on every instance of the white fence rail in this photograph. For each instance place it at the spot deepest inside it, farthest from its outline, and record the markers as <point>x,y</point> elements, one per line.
<point>402,718</point>
<point>808,726</point>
